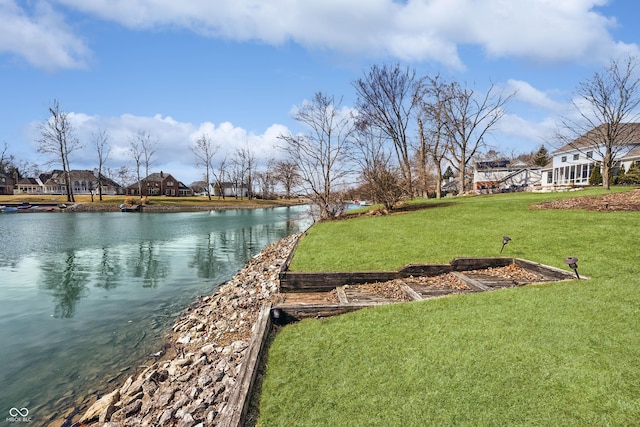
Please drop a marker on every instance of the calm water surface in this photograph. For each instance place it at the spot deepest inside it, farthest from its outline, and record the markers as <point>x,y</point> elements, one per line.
<point>84,296</point>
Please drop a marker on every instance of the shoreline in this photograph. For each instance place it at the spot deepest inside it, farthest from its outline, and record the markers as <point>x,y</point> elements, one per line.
<point>155,208</point>
<point>195,372</point>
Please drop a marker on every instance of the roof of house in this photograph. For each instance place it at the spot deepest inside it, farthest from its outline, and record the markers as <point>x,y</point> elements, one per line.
<point>55,177</point>
<point>157,176</point>
<point>630,133</point>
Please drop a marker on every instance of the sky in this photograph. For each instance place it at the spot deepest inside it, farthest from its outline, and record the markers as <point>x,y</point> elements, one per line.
<point>236,70</point>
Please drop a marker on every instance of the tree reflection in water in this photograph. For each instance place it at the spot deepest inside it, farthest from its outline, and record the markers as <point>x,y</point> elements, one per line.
<point>148,266</point>
<point>67,280</point>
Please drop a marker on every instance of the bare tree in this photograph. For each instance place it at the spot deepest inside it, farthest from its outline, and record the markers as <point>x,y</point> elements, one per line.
<point>103,149</point>
<point>245,164</point>
<point>266,180</point>
<point>607,109</point>
<point>469,118</point>
<point>381,178</point>
<point>219,174</point>
<point>387,98</point>
<point>58,140</point>
<point>124,175</point>
<point>321,153</point>
<point>7,161</point>
<point>147,146</point>
<point>204,150</point>
<point>287,173</point>
<point>434,141</point>
<point>137,153</point>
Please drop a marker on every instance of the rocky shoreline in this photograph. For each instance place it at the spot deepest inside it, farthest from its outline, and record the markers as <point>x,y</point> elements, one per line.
<point>196,371</point>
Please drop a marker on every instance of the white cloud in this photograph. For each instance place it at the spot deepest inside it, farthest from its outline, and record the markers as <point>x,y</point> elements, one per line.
<point>173,139</point>
<point>41,37</point>
<point>530,95</point>
<point>540,30</point>
<point>415,30</point>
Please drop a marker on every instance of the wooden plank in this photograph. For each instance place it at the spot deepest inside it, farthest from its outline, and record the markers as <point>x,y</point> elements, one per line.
<point>425,270</point>
<point>463,264</point>
<point>342,296</point>
<point>297,311</point>
<point>410,292</point>
<point>547,271</point>
<point>235,412</point>
<point>475,284</point>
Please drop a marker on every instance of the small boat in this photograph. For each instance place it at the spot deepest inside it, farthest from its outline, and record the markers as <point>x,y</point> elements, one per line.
<point>9,210</point>
<point>130,208</point>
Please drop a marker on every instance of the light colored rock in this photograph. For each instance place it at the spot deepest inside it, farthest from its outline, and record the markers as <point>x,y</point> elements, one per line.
<point>184,340</point>
<point>97,408</point>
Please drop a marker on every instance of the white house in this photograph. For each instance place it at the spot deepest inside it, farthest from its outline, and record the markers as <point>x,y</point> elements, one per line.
<point>572,164</point>
<point>229,189</point>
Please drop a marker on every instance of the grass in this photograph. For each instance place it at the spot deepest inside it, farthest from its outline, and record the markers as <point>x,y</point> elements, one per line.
<point>556,354</point>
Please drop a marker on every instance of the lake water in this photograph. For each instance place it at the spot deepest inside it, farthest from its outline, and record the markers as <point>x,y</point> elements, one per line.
<point>84,296</point>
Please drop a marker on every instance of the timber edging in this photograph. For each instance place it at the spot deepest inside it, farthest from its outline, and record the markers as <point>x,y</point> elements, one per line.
<point>235,412</point>
<point>326,281</point>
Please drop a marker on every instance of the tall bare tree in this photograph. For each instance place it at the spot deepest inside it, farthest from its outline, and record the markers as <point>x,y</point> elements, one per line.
<point>245,165</point>
<point>204,150</point>
<point>136,152</point>
<point>469,118</point>
<point>147,146</point>
<point>387,98</point>
<point>322,152</point>
<point>607,109</point>
<point>58,140</point>
<point>433,134</point>
<point>103,149</point>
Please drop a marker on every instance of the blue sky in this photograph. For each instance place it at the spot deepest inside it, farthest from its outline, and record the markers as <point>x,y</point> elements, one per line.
<point>236,69</point>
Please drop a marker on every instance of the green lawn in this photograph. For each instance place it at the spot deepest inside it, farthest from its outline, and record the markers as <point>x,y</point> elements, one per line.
<point>554,354</point>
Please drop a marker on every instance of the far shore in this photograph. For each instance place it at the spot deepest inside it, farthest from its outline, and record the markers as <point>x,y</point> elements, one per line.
<point>83,203</point>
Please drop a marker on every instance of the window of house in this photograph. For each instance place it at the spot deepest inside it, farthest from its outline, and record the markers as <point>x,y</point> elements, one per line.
<point>549,177</point>
<point>576,156</point>
<point>589,154</point>
<point>170,183</point>
<point>564,158</point>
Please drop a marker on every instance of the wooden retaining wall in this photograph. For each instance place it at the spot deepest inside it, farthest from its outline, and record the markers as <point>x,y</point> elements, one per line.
<point>235,412</point>
<point>326,281</point>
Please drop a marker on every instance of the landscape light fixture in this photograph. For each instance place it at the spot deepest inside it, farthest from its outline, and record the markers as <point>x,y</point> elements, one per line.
<point>505,240</point>
<point>572,262</point>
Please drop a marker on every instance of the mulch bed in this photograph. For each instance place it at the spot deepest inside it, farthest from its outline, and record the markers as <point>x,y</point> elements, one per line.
<point>393,288</point>
<point>626,201</point>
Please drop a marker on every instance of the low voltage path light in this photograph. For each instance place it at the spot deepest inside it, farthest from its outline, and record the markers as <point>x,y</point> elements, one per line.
<point>505,240</point>
<point>572,262</point>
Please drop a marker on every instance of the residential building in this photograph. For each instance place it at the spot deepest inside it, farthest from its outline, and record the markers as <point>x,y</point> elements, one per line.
<point>159,184</point>
<point>573,163</point>
<point>7,183</point>
<point>230,189</point>
<point>504,175</point>
<point>82,182</point>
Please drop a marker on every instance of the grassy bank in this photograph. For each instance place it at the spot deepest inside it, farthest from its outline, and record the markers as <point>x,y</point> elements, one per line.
<point>555,354</point>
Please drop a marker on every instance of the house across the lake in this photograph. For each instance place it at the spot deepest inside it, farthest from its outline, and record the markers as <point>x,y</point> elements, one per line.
<point>82,182</point>
<point>7,183</point>
<point>159,184</point>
